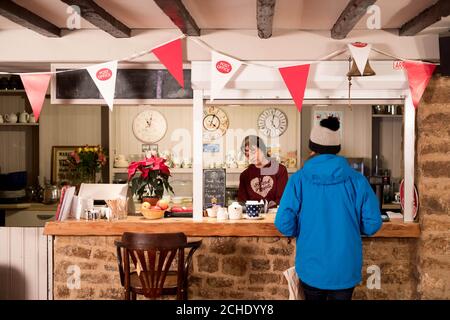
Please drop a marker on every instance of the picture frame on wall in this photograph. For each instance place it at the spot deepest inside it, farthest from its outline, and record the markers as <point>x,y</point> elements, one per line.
<point>60,169</point>
<point>150,149</point>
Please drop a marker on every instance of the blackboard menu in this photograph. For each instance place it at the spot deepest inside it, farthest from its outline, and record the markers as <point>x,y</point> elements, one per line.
<point>130,84</point>
<point>214,186</point>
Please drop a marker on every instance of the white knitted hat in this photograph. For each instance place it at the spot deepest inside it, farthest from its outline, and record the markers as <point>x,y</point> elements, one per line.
<point>325,138</point>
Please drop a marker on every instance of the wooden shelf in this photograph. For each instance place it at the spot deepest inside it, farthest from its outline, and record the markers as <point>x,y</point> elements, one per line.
<point>20,124</point>
<point>11,92</point>
<point>391,206</point>
<point>189,170</point>
<point>395,116</point>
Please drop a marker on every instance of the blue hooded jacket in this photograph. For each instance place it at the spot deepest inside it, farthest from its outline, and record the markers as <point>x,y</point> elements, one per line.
<point>327,205</point>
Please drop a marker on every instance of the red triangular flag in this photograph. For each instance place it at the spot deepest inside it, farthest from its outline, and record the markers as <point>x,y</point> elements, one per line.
<point>419,75</point>
<point>36,85</point>
<point>171,56</point>
<point>295,79</point>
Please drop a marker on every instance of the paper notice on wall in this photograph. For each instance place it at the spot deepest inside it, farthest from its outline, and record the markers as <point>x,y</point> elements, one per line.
<point>320,115</point>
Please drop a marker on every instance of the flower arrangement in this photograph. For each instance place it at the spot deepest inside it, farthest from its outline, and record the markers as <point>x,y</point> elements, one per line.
<point>87,161</point>
<point>149,177</point>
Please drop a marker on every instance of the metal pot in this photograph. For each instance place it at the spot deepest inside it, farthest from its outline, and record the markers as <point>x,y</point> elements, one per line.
<point>51,194</point>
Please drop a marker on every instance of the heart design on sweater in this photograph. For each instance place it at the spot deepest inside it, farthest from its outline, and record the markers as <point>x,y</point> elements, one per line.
<point>262,186</point>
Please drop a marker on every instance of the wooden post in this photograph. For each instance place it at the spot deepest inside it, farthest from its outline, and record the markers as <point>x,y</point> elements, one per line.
<point>409,156</point>
<point>197,163</point>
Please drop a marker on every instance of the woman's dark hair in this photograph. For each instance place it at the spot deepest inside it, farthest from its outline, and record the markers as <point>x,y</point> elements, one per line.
<point>254,141</point>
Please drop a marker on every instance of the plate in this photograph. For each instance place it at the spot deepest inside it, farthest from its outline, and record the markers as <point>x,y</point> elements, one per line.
<point>253,218</point>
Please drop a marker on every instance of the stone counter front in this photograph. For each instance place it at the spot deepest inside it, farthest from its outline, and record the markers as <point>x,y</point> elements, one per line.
<point>229,268</point>
<point>237,260</point>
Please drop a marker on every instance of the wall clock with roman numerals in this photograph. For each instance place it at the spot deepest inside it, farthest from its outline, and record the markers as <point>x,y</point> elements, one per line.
<point>272,122</point>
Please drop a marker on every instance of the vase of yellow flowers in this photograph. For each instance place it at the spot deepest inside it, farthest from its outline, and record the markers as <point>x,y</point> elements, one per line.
<point>87,161</point>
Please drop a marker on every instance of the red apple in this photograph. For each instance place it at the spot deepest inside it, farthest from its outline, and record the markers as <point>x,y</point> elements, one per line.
<point>162,204</point>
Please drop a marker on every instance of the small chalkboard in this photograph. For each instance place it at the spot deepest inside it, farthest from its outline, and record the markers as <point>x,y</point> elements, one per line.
<point>214,186</point>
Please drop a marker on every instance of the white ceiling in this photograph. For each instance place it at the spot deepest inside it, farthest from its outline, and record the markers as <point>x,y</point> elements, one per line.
<point>235,14</point>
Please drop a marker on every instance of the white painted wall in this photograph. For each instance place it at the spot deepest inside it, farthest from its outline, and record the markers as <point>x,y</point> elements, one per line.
<point>23,264</point>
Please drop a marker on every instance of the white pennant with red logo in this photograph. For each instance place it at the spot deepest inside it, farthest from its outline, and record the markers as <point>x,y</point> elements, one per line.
<point>36,85</point>
<point>419,75</point>
<point>222,70</point>
<point>104,76</point>
<point>360,53</point>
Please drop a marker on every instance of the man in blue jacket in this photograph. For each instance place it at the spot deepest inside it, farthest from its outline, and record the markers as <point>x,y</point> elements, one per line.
<point>327,205</point>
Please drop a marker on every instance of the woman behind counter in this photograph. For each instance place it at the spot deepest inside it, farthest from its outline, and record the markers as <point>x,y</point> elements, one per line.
<point>265,178</point>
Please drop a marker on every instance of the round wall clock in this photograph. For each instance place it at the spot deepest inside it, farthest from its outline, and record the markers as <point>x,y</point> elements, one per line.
<point>149,126</point>
<point>272,122</point>
<point>215,123</point>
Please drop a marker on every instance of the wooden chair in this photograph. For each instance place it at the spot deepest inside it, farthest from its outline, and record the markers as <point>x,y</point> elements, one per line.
<point>145,262</point>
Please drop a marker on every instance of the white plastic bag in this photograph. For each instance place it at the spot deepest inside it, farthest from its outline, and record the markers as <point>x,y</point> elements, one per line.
<point>295,290</point>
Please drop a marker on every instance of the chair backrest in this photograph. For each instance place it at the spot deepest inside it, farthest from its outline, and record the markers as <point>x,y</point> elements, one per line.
<point>152,255</point>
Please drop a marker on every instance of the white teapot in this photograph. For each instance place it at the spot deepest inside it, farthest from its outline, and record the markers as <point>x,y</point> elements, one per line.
<point>235,211</point>
<point>11,118</point>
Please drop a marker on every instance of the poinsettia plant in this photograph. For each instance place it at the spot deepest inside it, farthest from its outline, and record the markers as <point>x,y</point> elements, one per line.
<point>149,177</point>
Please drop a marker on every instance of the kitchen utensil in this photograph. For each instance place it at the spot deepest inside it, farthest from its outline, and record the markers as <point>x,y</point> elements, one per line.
<point>254,208</point>
<point>11,118</point>
<point>51,194</point>
<point>235,211</point>
<point>222,214</point>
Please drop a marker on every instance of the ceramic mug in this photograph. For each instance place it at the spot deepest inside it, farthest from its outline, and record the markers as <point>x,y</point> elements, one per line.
<point>32,119</point>
<point>235,211</point>
<point>1,118</point>
<point>222,214</point>
<point>253,208</point>
<point>24,117</point>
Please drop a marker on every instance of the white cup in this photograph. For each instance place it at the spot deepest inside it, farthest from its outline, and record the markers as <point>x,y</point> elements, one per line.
<point>222,214</point>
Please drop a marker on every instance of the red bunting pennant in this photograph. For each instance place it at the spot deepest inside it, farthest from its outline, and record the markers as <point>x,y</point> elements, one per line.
<point>419,75</point>
<point>171,56</point>
<point>36,85</point>
<point>295,79</point>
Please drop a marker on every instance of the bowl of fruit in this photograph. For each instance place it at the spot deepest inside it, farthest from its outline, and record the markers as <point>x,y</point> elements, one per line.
<point>154,212</point>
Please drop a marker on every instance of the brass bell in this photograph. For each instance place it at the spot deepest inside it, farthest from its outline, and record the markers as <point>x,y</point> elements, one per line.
<point>354,71</point>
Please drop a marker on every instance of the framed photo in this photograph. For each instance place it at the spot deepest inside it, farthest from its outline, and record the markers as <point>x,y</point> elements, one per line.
<point>61,170</point>
<point>150,149</point>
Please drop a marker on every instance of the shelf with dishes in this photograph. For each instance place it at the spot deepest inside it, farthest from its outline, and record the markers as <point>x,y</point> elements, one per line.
<point>189,170</point>
<point>20,124</point>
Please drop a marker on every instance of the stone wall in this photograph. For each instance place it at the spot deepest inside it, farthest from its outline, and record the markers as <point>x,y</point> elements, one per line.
<point>230,268</point>
<point>433,183</point>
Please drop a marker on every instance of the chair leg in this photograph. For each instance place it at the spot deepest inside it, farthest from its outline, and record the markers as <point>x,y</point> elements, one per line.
<point>127,295</point>
<point>133,295</point>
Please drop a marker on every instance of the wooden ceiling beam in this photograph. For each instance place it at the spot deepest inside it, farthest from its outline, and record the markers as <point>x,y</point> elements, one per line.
<point>426,18</point>
<point>28,19</point>
<point>265,10</point>
<point>180,16</point>
<point>352,13</point>
<point>100,18</point>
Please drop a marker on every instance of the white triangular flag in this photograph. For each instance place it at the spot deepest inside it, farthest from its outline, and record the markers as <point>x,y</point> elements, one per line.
<point>360,52</point>
<point>104,76</point>
<point>222,69</point>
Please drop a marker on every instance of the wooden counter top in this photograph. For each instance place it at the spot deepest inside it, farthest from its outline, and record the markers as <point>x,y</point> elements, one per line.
<point>208,227</point>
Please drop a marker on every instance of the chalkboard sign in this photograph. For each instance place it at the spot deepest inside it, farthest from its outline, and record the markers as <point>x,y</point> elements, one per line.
<point>214,186</point>
<point>130,84</point>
